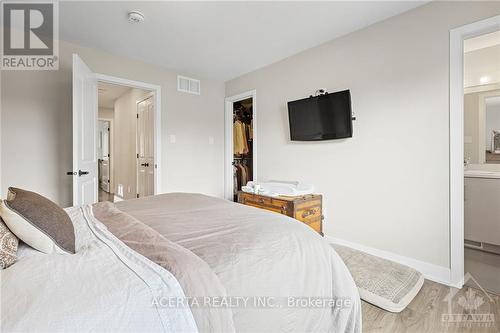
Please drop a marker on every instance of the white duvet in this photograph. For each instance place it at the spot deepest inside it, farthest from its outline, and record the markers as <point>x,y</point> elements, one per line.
<point>198,247</point>
<point>259,255</point>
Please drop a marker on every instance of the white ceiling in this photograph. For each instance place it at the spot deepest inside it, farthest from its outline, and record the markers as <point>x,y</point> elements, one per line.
<point>481,42</point>
<point>219,40</point>
<point>482,66</point>
<point>108,93</point>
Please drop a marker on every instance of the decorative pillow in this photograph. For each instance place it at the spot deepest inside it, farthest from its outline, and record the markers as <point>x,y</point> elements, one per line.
<point>8,246</point>
<point>38,222</point>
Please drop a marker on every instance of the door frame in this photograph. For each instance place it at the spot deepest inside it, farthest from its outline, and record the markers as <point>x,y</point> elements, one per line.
<point>156,91</point>
<point>456,158</point>
<point>228,135</point>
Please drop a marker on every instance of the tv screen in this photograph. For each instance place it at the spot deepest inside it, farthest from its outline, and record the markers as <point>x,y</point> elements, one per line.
<point>323,117</point>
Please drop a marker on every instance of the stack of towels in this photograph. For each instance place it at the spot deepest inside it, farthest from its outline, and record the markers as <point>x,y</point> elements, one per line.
<point>275,188</point>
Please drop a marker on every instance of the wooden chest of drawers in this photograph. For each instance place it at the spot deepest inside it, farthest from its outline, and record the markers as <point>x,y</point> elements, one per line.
<point>307,208</point>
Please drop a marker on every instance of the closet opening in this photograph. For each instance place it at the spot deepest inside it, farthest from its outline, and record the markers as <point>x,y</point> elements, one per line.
<point>240,143</point>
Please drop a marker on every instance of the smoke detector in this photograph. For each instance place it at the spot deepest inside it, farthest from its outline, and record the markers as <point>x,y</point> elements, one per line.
<point>135,16</point>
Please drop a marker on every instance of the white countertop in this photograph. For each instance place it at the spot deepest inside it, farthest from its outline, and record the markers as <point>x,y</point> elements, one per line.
<point>475,173</point>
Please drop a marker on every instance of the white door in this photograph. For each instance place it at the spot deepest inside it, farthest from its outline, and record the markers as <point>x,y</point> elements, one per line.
<point>145,148</point>
<point>84,134</point>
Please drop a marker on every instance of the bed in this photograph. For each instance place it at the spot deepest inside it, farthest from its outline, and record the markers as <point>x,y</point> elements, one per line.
<point>227,267</point>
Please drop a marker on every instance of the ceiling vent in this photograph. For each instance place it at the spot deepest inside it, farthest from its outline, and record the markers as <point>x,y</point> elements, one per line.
<point>188,85</point>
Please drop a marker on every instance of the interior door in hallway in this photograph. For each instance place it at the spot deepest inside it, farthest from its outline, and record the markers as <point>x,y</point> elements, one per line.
<point>145,147</point>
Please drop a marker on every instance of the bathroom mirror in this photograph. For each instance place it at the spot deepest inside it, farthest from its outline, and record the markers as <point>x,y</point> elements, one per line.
<point>492,129</point>
<point>482,127</point>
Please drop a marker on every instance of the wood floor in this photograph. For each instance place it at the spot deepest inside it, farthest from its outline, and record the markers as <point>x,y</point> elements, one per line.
<point>105,196</point>
<point>485,267</point>
<point>424,313</point>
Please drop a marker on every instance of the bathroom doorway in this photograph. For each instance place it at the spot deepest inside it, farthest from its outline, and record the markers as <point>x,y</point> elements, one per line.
<point>482,160</point>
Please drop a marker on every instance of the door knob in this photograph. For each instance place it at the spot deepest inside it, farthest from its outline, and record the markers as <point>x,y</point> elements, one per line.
<point>81,173</point>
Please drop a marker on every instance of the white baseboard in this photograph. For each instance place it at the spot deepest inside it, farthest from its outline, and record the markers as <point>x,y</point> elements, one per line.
<point>117,198</point>
<point>430,271</point>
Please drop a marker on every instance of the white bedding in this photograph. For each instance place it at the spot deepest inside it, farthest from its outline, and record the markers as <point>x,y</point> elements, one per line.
<point>104,287</point>
<point>201,246</point>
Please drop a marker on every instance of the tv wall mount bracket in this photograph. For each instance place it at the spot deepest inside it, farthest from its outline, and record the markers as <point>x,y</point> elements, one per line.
<point>322,92</point>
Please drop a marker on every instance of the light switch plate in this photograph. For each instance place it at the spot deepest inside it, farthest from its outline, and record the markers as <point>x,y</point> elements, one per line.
<point>173,139</point>
<point>211,140</point>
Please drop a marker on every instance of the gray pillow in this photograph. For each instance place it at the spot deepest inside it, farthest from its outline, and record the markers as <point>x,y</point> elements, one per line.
<point>38,222</point>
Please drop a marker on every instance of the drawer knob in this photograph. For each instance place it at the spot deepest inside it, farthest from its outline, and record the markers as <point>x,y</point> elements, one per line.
<point>261,201</point>
<point>308,213</point>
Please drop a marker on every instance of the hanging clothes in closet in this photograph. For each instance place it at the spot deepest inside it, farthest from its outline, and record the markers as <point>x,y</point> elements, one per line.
<point>240,138</point>
<point>242,174</point>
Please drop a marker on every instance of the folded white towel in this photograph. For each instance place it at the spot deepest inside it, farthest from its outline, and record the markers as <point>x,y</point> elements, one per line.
<point>275,188</point>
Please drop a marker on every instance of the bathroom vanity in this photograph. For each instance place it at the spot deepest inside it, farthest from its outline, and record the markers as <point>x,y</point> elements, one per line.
<point>482,205</point>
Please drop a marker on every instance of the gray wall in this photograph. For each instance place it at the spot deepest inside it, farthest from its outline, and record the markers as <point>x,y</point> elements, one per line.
<point>388,186</point>
<point>36,120</point>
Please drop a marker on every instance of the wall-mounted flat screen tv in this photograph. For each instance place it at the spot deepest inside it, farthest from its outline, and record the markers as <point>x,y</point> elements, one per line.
<point>323,117</point>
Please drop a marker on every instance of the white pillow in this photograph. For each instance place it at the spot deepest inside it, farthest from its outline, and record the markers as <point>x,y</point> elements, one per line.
<point>27,232</point>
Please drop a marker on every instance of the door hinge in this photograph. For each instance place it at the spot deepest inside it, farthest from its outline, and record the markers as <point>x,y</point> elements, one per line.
<point>137,116</point>
<point>108,129</point>
<point>138,195</point>
<point>137,155</point>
